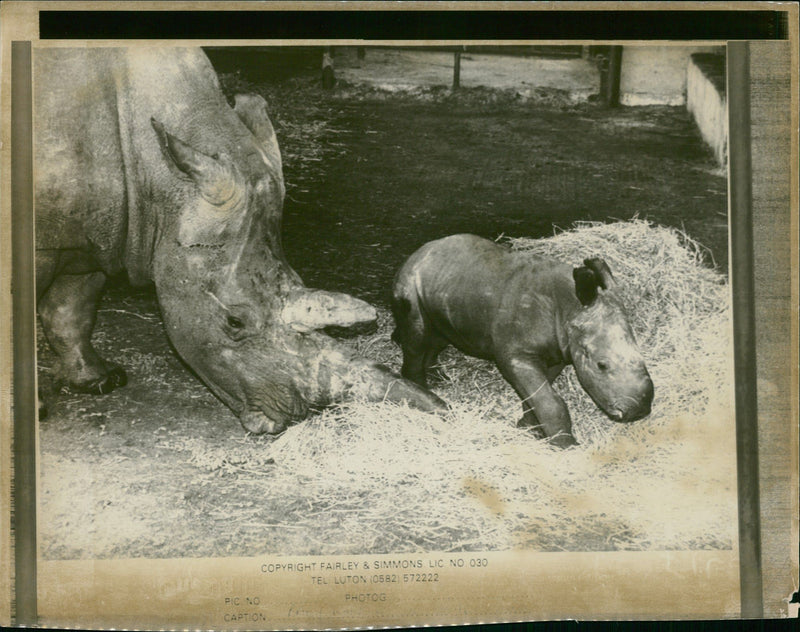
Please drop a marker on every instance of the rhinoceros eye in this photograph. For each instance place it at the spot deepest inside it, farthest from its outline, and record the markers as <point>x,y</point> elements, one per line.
<point>603,366</point>
<point>236,327</point>
<point>235,323</point>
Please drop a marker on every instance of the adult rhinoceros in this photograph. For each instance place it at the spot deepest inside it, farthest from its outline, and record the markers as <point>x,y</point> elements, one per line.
<point>142,166</point>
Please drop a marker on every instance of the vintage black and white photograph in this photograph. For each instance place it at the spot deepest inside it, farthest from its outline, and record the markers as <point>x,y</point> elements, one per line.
<point>322,300</point>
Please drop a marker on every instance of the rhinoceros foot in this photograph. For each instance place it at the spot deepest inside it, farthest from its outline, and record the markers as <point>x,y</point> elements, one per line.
<point>560,440</point>
<point>563,441</point>
<point>257,422</point>
<point>114,378</point>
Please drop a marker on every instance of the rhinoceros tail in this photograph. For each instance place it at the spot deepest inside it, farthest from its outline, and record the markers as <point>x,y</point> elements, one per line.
<point>401,308</point>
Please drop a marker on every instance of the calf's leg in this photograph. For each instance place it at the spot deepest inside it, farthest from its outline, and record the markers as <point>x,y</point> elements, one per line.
<point>68,310</point>
<point>412,334</point>
<point>543,408</point>
<point>434,346</point>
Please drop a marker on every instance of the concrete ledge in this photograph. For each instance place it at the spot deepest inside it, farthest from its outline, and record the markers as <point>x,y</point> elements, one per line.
<point>707,101</point>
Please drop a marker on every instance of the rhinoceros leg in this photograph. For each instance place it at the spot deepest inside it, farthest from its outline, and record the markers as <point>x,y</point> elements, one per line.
<point>68,310</point>
<point>543,409</point>
<point>419,358</point>
<point>421,346</point>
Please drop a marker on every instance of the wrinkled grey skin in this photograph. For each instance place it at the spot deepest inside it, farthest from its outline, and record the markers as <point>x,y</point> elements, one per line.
<point>142,166</point>
<point>531,316</point>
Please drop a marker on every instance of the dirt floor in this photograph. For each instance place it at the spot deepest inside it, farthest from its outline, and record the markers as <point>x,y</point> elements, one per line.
<point>148,469</point>
<point>408,173</point>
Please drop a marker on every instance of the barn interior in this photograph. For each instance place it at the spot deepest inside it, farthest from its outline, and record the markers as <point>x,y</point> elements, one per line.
<point>387,149</point>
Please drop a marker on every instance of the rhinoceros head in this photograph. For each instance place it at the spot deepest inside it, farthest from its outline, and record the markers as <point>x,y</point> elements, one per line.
<point>607,360</point>
<point>233,307</point>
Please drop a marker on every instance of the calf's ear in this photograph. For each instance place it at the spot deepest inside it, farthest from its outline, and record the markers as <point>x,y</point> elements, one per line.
<point>604,277</point>
<point>585,285</point>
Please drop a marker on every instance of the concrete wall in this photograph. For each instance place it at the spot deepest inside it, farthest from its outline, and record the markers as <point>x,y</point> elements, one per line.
<point>656,75</point>
<point>707,102</point>
<point>403,69</point>
<point>650,75</point>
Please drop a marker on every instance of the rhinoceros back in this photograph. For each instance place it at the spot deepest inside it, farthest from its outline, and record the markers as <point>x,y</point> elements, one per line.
<point>101,179</point>
<point>476,294</point>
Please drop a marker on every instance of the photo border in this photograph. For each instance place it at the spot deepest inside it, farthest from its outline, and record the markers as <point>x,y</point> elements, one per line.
<point>742,269</point>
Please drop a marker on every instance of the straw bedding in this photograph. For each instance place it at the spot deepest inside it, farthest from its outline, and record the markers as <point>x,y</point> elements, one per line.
<point>378,477</point>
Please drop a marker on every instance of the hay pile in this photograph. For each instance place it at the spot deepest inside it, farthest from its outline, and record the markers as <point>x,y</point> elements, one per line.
<point>385,478</point>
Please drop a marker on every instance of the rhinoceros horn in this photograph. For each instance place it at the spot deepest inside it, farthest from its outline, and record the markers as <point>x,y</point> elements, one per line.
<point>309,310</point>
<point>218,181</point>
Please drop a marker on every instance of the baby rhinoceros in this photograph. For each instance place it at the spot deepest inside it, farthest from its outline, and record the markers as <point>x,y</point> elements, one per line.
<point>531,316</point>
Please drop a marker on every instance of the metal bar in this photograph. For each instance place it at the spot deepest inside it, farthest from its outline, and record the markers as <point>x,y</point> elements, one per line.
<point>23,319</point>
<point>456,70</point>
<point>23,328</point>
<point>328,76</point>
<point>614,75</point>
<point>744,331</point>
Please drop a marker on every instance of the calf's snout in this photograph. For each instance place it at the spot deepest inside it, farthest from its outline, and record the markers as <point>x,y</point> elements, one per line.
<point>640,405</point>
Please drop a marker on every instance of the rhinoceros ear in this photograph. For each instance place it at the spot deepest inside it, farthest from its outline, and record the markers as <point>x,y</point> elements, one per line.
<point>252,110</point>
<point>585,285</point>
<point>216,179</point>
<point>600,268</point>
<point>309,310</point>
